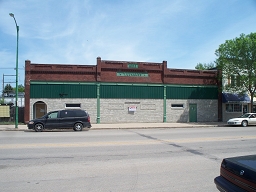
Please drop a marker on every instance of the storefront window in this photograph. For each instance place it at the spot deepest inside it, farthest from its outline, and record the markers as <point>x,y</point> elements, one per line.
<point>237,107</point>
<point>233,107</point>
<point>229,107</point>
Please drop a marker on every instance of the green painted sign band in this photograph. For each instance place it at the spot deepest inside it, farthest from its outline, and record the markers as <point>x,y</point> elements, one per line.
<point>130,74</point>
<point>132,65</point>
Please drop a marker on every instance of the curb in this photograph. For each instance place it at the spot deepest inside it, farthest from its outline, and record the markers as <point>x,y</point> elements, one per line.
<point>139,127</point>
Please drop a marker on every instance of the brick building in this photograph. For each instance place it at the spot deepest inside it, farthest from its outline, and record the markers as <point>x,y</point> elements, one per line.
<point>123,91</point>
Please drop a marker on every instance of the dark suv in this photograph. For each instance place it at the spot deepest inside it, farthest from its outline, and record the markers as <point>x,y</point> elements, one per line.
<point>63,119</point>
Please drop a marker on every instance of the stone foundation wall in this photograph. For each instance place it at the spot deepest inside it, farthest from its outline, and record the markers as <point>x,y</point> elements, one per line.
<point>117,111</point>
<point>137,110</point>
<point>207,110</point>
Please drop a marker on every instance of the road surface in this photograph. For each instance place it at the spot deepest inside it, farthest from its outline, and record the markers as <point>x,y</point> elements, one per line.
<point>184,159</point>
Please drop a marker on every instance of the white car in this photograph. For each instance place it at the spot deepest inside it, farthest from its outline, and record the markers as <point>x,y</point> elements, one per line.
<point>244,120</point>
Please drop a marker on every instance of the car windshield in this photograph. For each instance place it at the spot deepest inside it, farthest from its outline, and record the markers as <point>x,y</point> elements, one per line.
<point>245,115</point>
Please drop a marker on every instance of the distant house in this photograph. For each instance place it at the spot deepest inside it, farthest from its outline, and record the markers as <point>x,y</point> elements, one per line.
<point>11,97</point>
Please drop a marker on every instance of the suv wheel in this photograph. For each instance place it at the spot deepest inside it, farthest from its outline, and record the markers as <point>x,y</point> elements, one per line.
<point>78,127</point>
<point>39,127</point>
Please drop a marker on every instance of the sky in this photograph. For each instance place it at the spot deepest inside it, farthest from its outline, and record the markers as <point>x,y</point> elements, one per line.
<point>181,32</point>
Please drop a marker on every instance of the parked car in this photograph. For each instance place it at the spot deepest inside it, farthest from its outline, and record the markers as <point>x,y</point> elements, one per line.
<point>62,119</point>
<point>244,120</point>
<point>237,174</point>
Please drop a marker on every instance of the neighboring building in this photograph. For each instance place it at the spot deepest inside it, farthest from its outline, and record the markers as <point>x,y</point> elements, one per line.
<point>234,104</point>
<point>8,99</point>
<point>124,92</point>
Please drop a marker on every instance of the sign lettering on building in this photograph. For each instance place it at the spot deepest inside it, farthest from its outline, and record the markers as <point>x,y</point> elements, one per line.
<point>132,65</point>
<point>131,74</point>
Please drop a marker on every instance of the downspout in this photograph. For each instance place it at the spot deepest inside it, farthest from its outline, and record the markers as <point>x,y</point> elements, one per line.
<point>164,104</point>
<point>98,103</point>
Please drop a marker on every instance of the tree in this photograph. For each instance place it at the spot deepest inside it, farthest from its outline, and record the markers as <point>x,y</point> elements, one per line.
<point>204,66</point>
<point>21,88</point>
<point>8,89</point>
<point>237,60</point>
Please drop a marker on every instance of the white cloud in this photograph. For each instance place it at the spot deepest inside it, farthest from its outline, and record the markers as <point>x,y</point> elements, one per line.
<point>182,32</point>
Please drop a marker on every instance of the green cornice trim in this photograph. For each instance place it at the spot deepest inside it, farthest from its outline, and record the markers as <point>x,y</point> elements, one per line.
<point>109,83</point>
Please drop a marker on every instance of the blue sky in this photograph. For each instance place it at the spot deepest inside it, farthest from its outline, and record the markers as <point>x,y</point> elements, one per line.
<point>182,32</point>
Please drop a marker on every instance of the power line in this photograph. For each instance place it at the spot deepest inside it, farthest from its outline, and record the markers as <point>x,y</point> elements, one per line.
<point>10,68</point>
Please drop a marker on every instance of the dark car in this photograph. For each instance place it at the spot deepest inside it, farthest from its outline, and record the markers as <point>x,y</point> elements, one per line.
<point>237,174</point>
<point>62,119</point>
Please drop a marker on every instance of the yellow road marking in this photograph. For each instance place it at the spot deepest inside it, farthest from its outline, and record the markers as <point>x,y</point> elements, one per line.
<point>122,143</point>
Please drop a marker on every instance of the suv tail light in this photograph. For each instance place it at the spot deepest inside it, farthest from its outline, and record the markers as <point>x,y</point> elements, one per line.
<point>89,120</point>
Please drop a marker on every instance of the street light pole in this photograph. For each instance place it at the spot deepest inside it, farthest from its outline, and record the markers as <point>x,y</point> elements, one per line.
<point>16,90</point>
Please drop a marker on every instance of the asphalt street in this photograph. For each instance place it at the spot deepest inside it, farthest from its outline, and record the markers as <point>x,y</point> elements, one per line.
<point>161,159</point>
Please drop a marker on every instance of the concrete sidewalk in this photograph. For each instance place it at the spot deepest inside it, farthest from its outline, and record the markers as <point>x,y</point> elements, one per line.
<point>129,126</point>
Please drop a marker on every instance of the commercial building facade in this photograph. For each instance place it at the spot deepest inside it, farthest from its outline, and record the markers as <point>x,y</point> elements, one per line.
<point>123,92</point>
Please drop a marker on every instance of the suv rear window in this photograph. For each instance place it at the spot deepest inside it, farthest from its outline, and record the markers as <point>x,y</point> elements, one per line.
<point>67,113</point>
<point>80,113</point>
<point>72,113</point>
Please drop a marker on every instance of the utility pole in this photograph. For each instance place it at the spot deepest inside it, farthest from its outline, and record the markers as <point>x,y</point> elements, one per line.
<point>16,90</point>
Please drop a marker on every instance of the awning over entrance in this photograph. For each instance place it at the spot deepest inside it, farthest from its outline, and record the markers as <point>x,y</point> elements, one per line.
<point>235,98</point>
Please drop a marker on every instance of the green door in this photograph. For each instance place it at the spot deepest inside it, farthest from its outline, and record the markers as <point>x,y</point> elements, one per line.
<point>192,113</point>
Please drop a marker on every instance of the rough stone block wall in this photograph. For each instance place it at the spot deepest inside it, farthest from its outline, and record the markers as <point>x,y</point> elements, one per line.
<point>174,115</point>
<point>116,111</point>
<point>147,111</point>
<point>207,110</point>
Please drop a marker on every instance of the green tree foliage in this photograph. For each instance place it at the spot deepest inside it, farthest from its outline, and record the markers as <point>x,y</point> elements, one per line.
<point>21,88</point>
<point>237,60</point>
<point>204,66</point>
<point>8,89</point>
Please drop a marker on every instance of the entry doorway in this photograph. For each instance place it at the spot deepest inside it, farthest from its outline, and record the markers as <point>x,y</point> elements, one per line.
<point>40,109</point>
<point>245,109</point>
<point>192,112</point>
